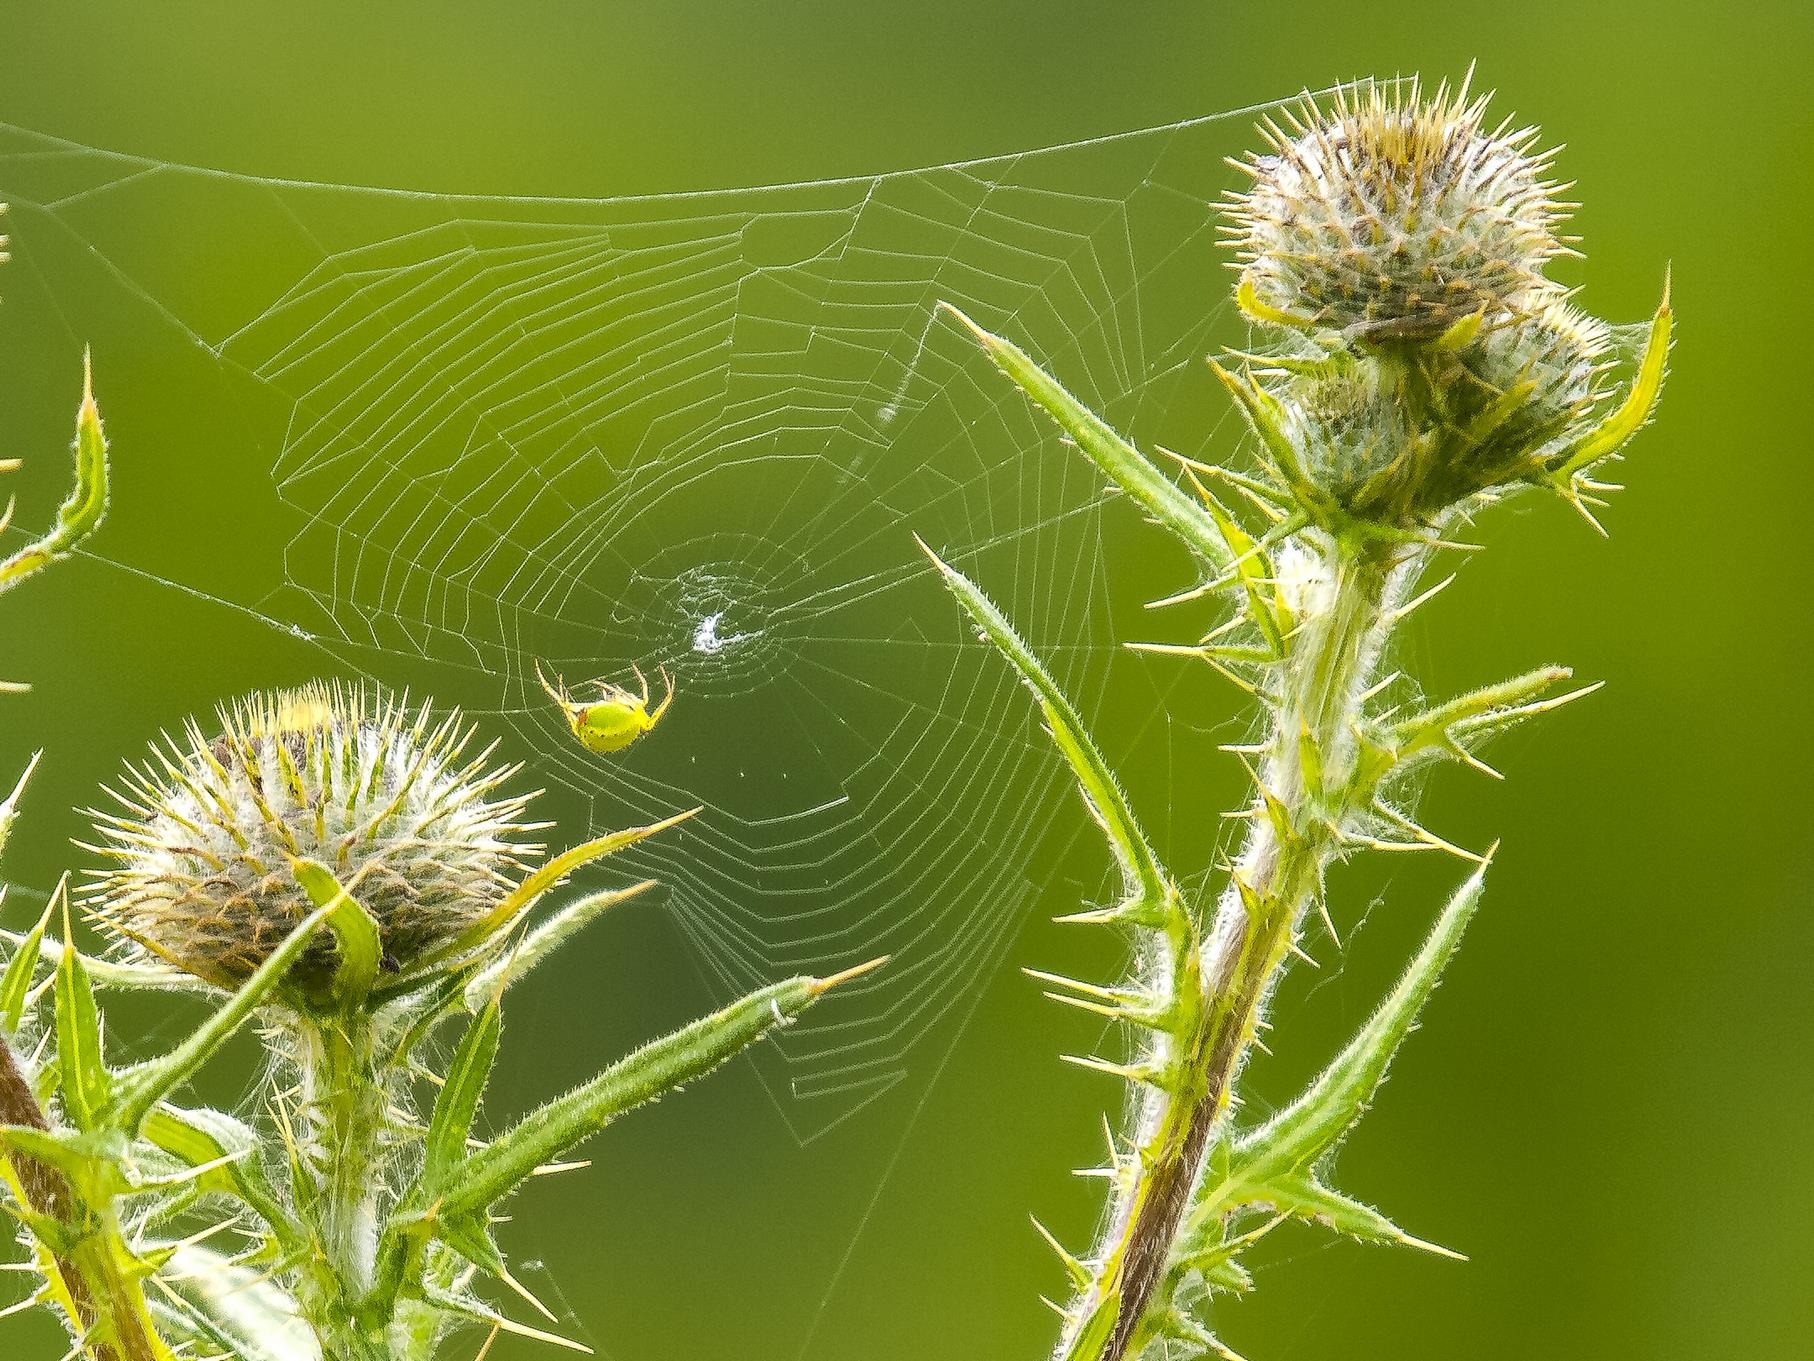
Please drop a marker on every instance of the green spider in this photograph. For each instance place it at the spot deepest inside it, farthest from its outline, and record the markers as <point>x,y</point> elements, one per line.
<point>616,718</point>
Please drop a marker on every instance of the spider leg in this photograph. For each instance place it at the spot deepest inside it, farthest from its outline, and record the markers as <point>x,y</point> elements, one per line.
<point>667,699</point>
<point>559,696</point>
<point>642,681</point>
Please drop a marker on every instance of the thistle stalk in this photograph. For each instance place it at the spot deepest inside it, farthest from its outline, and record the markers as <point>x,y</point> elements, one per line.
<point>103,1304</point>
<point>1293,833</point>
<point>343,1108</point>
<point>1417,363</point>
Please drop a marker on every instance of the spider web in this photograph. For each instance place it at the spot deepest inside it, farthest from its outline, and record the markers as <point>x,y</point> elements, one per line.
<point>696,431</point>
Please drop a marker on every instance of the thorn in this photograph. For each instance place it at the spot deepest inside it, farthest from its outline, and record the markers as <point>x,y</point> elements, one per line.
<point>1423,1246</point>
<point>1113,1013</point>
<point>956,313</point>
<point>1302,954</point>
<point>1127,1072</point>
<point>523,1291</point>
<point>1467,758</point>
<point>1404,610</point>
<point>1077,985</point>
<point>1194,593</point>
<point>1075,1269</point>
<point>11,801</point>
<point>821,986</point>
<point>1322,910</point>
<point>1169,649</point>
<point>1426,836</point>
<point>1243,748</point>
<point>1095,916</point>
<point>937,561</point>
<point>1572,495</point>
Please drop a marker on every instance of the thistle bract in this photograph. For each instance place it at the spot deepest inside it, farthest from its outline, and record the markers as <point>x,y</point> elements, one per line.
<point>1411,362</point>
<point>1397,441</point>
<point>351,779</point>
<point>1389,215</point>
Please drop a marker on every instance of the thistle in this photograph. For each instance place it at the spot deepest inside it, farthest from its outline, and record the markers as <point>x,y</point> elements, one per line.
<point>326,775</point>
<point>333,863</point>
<point>1384,215</point>
<point>1417,363</point>
<point>89,1270</point>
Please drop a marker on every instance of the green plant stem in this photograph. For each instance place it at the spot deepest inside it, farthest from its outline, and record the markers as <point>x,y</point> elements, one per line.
<point>345,1108</point>
<point>1296,828</point>
<point>104,1302</point>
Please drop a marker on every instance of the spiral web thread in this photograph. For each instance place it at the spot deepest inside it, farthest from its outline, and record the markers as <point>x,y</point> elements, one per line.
<point>694,431</point>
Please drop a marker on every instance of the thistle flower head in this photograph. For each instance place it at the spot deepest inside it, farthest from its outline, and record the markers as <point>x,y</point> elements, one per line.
<point>211,829</point>
<point>1558,356</point>
<point>1509,395</point>
<point>1388,215</point>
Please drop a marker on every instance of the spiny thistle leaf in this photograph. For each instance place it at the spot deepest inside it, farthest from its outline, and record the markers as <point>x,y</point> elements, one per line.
<point>15,983</point>
<point>81,514</point>
<point>1456,723</point>
<point>1266,418</point>
<point>1088,1340</point>
<point>95,1159</point>
<point>510,968</point>
<point>1144,877</point>
<point>357,935</point>
<point>480,1181</point>
<point>143,1087</point>
<point>1646,389</point>
<point>526,894</point>
<point>1123,464</point>
<point>461,1091</point>
<point>212,1139</point>
<point>1276,1164</point>
<point>86,1084</point>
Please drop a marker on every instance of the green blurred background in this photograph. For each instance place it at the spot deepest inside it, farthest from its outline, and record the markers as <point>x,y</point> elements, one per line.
<point>1609,1107</point>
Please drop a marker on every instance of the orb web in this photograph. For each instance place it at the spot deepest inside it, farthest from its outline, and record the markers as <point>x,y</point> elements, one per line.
<point>695,432</point>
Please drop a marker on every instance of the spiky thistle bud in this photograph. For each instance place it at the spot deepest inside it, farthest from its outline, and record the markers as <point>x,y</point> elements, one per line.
<point>1391,216</point>
<point>358,781</point>
<point>1384,452</point>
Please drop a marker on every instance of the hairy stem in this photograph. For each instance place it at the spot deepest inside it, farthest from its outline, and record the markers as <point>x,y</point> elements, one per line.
<point>345,1107</point>
<point>103,1301</point>
<point>1296,825</point>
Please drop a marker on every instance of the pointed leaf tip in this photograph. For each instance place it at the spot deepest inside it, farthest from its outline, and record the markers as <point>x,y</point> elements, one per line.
<point>1292,1142</point>
<point>1437,1249</point>
<point>1113,455</point>
<point>957,313</point>
<point>1142,872</point>
<point>820,986</point>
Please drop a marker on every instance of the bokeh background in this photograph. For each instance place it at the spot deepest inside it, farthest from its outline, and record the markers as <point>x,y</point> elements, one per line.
<point>1609,1106</point>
